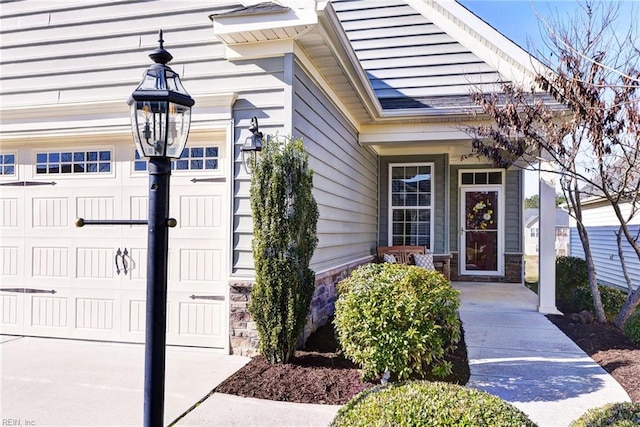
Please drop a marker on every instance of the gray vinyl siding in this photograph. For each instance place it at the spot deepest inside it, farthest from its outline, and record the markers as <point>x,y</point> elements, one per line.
<point>439,203</point>
<point>345,176</point>
<point>513,208</point>
<point>604,248</point>
<point>268,105</point>
<point>61,53</point>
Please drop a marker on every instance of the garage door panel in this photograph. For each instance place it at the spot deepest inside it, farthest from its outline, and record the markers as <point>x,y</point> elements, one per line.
<point>136,274</point>
<point>11,213</point>
<point>50,213</point>
<point>11,261</point>
<point>11,313</point>
<point>50,262</point>
<point>198,266</point>
<point>200,212</point>
<point>134,316</point>
<point>49,311</point>
<point>197,322</point>
<point>85,314</point>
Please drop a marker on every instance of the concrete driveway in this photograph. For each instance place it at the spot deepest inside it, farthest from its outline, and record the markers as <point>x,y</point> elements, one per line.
<point>63,382</point>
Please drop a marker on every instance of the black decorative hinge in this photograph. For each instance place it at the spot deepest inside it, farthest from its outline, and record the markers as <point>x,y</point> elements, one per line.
<point>28,291</point>
<point>219,179</point>
<point>211,297</point>
<point>27,183</point>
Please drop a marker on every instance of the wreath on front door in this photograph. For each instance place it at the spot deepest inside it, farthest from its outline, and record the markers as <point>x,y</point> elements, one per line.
<point>481,215</point>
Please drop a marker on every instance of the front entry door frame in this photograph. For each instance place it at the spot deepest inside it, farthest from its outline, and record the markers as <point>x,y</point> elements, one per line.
<point>466,268</point>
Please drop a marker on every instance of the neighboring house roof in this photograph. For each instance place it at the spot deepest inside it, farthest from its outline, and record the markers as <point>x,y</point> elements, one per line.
<point>531,217</point>
<point>623,177</point>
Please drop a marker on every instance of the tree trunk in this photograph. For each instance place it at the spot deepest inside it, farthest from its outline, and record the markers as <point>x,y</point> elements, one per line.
<point>591,271</point>
<point>628,308</point>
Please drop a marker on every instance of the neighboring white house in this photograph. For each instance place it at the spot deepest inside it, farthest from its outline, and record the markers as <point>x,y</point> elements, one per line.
<point>532,232</point>
<point>602,226</point>
<point>378,90</point>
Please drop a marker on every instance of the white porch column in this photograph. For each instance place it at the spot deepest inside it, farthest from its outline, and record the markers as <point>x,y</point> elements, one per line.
<point>547,236</point>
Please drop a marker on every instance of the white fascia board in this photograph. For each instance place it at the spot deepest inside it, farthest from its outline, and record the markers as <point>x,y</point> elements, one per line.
<point>258,50</point>
<point>334,35</point>
<point>317,77</point>
<point>407,133</point>
<point>82,119</point>
<point>223,25</point>
<point>483,40</point>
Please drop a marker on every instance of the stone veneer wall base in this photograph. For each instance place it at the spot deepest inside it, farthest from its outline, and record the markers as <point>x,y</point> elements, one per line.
<point>243,335</point>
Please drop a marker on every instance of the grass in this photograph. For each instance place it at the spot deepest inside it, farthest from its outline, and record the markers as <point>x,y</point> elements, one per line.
<point>531,268</point>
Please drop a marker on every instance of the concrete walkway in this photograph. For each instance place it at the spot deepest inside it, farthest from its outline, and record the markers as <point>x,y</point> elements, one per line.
<point>53,382</point>
<point>514,353</point>
<point>519,355</point>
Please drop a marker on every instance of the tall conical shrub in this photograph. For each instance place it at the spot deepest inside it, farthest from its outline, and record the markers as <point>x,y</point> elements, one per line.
<point>284,239</point>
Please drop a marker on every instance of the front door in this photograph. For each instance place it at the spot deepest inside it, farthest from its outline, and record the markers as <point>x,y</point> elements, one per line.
<point>481,219</point>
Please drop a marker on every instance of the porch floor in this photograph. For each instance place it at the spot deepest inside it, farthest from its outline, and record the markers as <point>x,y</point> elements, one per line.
<point>517,354</point>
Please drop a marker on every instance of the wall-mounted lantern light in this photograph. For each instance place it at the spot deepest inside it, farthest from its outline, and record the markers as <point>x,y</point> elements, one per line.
<point>252,146</point>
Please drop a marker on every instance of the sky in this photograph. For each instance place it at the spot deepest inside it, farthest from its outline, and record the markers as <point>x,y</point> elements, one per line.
<point>517,20</point>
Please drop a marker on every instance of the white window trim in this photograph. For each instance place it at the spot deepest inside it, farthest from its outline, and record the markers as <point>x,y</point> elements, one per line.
<point>501,220</point>
<point>185,172</point>
<point>78,175</point>
<point>432,208</point>
<point>16,163</point>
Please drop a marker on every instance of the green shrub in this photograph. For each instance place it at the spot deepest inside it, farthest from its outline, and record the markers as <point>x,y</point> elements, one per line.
<point>428,404</point>
<point>571,273</point>
<point>612,300</point>
<point>284,239</point>
<point>397,318</point>
<point>616,415</point>
<point>632,328</point>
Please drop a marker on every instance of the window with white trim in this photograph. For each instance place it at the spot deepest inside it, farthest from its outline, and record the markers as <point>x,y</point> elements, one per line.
<point>7,164</point>
<point>73,162</point>
<point>534,232</point>
<point>191,159</point>
<point>411,204</point>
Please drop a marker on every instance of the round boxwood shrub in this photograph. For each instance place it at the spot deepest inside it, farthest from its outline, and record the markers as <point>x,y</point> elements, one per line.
<point>612,300</point>
<point>397,318</point>
<point>624,414</point>
<point>631,329</point>
<point>434,404</point>
<point>571,273</point>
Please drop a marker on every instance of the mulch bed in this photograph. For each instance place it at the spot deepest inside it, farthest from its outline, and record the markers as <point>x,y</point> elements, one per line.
<point>319,374</point>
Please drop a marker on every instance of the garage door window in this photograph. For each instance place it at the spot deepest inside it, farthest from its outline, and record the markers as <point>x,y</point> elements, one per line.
<point>7,164</point>
<point>191,159</point>
<point>73,162</point>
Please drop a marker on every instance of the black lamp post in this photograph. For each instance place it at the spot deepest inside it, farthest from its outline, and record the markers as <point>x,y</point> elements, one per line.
<point>160,119</point>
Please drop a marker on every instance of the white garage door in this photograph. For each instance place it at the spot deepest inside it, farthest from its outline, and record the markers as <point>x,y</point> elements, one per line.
<point>58,280</point>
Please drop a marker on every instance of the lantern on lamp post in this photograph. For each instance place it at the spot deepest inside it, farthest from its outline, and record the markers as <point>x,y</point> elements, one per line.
<point>160,120</point>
